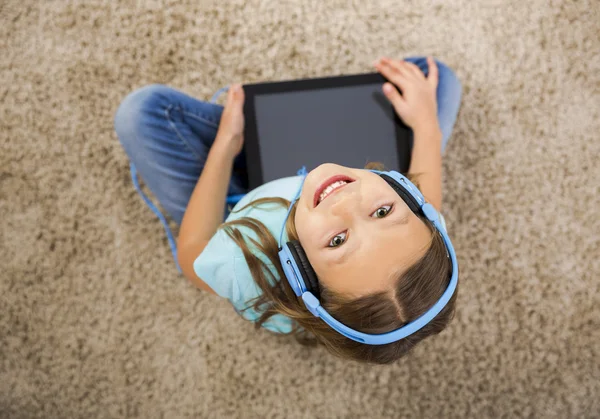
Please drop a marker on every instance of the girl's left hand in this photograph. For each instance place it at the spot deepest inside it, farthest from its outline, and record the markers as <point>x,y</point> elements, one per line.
<point>230,136</point>
<point>417,105</point>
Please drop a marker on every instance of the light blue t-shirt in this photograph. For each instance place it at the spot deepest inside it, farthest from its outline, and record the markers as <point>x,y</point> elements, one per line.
<point>222,265</point>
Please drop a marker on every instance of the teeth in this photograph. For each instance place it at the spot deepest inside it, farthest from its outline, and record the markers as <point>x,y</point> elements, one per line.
<point>331,188</point>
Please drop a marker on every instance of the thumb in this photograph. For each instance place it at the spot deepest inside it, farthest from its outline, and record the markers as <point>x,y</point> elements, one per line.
<point>432,78</point>
<point>395,98</point>
<point>235,96</point>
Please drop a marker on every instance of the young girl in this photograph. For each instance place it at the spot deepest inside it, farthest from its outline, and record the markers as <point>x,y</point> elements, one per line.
<point>377,264</point>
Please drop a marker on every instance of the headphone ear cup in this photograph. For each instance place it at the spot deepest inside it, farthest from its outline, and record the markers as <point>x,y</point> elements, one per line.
<point>306,270</point>
<point>404,194</point>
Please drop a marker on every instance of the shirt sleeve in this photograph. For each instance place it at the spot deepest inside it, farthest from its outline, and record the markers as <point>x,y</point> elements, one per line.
<point>215,266</point>
<point>222,266</point>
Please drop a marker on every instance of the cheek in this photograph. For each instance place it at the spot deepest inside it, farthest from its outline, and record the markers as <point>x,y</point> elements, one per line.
<point>307,228</point>
<point>301,223</point>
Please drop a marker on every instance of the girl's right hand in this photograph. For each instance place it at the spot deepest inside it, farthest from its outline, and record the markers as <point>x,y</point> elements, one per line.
<point>230,136</point>
<point>417,105</point>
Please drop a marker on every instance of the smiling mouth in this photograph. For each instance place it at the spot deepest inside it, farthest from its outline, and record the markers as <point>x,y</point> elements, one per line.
<point>330,186</point>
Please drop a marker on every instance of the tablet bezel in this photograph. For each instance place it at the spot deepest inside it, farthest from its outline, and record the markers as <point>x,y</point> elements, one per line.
<point>251,146</point>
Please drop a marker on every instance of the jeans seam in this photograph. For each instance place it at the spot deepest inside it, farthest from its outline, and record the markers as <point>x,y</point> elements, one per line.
<point>186,144</point>
<point>201,119</point>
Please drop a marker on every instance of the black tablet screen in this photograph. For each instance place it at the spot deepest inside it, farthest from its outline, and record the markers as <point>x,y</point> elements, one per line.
<point>350,126</point>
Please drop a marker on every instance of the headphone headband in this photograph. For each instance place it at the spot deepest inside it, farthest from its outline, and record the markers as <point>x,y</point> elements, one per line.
<point>293,266</point>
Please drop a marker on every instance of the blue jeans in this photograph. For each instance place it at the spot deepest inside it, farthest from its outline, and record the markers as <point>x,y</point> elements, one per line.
<point>167,136</point>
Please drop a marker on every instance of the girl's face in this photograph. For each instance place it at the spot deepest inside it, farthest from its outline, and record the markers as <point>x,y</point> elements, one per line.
<point>358,234</point>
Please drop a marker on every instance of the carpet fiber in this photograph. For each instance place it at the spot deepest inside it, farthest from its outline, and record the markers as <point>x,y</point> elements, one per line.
<point>96,322</point>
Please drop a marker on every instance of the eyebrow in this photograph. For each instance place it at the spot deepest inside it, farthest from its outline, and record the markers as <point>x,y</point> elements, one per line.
<point>392,222</point>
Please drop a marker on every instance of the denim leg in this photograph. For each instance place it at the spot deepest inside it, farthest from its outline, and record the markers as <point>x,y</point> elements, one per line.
<point>449,93</point>
<point>167,136</point>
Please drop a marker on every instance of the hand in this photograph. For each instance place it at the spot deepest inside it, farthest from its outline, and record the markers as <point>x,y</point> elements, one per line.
<point>417,105</point>
<point>230,135</point>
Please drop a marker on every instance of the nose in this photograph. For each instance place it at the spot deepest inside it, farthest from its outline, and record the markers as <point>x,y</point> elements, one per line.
<point>347,203</point>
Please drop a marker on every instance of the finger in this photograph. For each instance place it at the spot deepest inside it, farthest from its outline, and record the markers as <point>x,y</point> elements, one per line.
<point>397,65</point>
<point>414,69</point>
<point>394,97</point>
<point>392,74</point>
<point>433,76</point>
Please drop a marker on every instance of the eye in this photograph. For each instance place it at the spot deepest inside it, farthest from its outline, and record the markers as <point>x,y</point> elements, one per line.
<point>382,211</point>
<point>338,240</point>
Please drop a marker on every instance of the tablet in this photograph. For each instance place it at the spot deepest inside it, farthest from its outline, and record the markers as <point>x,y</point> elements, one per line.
<point>345,120</point>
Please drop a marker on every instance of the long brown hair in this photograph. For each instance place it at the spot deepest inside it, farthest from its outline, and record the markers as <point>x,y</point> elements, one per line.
<point>416,290</point>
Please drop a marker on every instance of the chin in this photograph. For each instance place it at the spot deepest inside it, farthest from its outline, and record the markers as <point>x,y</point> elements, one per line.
<point>326,170</point>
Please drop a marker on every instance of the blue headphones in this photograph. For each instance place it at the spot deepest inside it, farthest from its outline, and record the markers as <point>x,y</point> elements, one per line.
<point>304,281</point>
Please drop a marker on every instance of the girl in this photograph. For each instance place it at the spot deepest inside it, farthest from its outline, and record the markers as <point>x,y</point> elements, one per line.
<point>377,265</point>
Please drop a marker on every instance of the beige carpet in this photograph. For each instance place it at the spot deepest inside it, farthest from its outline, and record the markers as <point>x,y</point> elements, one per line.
<point>95,321</point>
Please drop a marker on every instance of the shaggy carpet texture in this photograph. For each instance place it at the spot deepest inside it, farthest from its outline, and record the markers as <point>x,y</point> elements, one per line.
<point>95,320</point>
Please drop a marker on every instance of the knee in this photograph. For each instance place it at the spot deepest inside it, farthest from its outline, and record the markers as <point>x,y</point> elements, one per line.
<point>448,78</point>
<point>137,106</point>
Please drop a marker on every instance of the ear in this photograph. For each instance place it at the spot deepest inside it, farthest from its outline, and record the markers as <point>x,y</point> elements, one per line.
<point>309,276</point>
<point>404,194</point>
